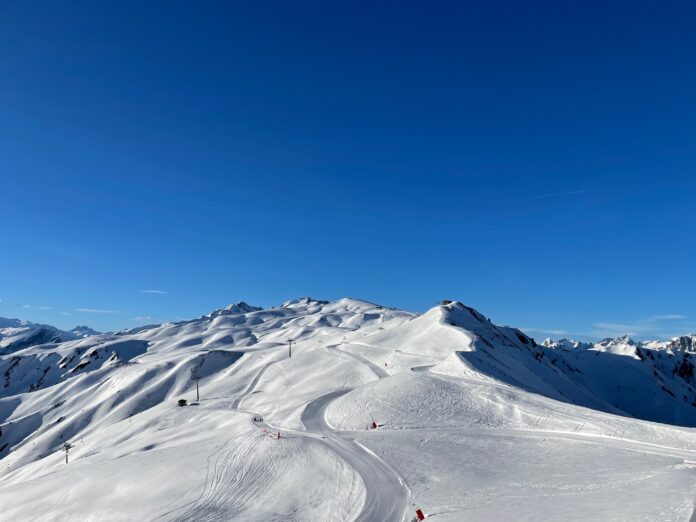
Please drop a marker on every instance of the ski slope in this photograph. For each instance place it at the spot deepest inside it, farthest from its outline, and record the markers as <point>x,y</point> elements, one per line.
<point>386,495</point>
<point>475,421</point>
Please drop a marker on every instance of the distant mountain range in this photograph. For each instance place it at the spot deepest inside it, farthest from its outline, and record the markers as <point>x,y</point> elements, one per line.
<point>16,334</point>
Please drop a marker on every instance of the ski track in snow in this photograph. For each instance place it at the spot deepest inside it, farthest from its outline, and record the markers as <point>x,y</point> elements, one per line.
<point>618,442</point>
<point>231,483</point>
<point>386,495</point>
<point>378,370</point>
<point>227,473</point>
<point>238,401</point>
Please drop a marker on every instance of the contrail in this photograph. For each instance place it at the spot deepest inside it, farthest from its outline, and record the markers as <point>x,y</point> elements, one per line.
<point>559,194</point>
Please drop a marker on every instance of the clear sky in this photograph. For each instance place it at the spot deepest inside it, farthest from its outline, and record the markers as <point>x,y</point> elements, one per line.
<point>535,160</point>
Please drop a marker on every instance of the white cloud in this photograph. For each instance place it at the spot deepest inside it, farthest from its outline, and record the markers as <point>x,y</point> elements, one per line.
<point>545,330</point>
<point>66,313</point>
<point>559,194</point>
<point>153,291</point>
<point>26,306</point>
<point>143,318</point>
<point>652,326</point>
<point>45,307</point>
<point>622,327</point>
<point>615,329</point>
<point>95,311</point>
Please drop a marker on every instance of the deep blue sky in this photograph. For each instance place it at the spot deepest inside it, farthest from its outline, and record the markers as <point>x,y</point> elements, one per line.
<point>535,160</point>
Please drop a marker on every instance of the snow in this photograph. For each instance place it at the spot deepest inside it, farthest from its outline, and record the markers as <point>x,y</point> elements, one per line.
<point>475,421</point>
<point>16,334</point>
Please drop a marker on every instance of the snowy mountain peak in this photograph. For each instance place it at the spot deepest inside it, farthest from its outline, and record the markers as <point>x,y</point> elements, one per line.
<point>84,331</point>
<point>16,334</point>
<point>458,314</point>
<point>609,342</point>
<point>566,344</point>
<point>12,323</point>
<point>234,309</point>
<point>683,343</point>
<point>303,301</point>
<point>625,339</point>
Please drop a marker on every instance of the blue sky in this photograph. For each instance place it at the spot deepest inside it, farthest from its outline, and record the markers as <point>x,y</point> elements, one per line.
<point>533,160</point>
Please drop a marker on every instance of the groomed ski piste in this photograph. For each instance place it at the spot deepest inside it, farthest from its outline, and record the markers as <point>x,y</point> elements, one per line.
<point>376,414</point>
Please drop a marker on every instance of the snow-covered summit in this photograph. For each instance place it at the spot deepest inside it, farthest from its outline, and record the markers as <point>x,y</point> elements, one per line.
<point>234,309</point>
<point>683,343</point>
<point>615,341</point>
<point>303,301</point>
<point>84,331</point>
<point>566,344</point>
<point>622,345</point>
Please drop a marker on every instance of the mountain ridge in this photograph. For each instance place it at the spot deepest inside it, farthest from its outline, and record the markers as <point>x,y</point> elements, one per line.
<point>430,395</point>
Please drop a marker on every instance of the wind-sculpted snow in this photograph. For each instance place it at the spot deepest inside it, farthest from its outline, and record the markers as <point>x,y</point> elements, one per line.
<point>46,365</point>
<point>616,376</point>
<point>377,412</point>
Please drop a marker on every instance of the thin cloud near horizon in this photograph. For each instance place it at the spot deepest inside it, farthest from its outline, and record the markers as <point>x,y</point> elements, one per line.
<point>546,330</point>
<point>95,311</point>
<point>652,325</point>
<point>162,292</point>
<point>559,194</point>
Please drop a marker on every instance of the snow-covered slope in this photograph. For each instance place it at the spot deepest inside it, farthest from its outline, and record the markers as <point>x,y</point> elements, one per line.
<point>16,335</point>
<point>473,421</point>
<point>650,380</point>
